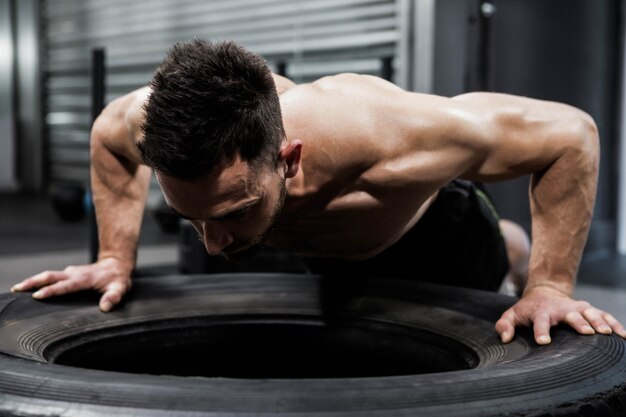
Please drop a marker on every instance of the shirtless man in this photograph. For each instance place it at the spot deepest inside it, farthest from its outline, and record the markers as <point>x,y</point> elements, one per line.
<point>344,168</point>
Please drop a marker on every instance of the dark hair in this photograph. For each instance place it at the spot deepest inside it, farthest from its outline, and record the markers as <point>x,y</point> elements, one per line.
<point>210,102</point>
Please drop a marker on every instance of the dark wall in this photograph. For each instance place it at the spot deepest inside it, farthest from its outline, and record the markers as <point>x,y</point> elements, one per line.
<point>561,50</point>
<point>456,40</point>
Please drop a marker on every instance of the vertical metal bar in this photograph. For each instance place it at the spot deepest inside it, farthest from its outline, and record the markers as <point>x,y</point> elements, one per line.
<point>281,68</point>
<point>487,10</point>
<point>7,97</point>
<point>480,78</point>
<point>97,82</point>
<point>97,104</point>
<point>386,68</point>
<point>405,45</point>
<point>621,197</point>
<point>424,55</point>
<point>29,114</point>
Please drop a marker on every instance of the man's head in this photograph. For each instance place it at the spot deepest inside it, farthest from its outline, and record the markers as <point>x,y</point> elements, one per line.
<point>213,133</point>
<point>210,103</point>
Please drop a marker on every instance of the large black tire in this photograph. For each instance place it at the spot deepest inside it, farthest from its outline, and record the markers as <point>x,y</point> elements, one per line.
<point>401,349</point>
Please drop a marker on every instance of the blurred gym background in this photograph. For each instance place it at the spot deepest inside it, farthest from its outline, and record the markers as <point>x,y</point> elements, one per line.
<point>59,58</point>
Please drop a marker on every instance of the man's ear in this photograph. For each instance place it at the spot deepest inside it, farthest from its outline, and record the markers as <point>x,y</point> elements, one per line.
<point>290,155</point>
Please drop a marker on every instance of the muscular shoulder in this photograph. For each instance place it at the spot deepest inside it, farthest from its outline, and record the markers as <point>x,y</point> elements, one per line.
<point>347,88</point>
<point>338,110</point>
<point>356,117</point>
<point>119,125</point>
<point>337,139</point>
<point>366,106</point>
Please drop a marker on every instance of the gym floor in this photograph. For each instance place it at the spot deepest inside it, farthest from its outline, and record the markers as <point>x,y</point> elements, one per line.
<point>33,239</point>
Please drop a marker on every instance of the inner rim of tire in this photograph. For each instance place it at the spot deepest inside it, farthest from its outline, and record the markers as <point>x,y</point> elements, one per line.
<point>264,348</point>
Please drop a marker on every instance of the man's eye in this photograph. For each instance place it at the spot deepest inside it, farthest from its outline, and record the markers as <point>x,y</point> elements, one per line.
<point>237,215</point>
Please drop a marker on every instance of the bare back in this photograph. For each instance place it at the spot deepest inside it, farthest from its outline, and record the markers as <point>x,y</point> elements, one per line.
<point>374,156</point>
<point>352,199</point>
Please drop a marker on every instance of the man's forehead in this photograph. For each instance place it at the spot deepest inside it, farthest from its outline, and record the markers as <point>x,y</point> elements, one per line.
<point>235,174</point>
<point>225,187</point>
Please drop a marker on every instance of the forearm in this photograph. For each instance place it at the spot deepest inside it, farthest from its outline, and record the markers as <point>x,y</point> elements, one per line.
<point>562,199</point>
<point>120,188</point>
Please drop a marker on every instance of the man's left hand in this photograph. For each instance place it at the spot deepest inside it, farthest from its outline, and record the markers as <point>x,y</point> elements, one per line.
<point>543,307</point>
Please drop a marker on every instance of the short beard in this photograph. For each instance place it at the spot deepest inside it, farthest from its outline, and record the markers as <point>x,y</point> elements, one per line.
<point>257,244</point>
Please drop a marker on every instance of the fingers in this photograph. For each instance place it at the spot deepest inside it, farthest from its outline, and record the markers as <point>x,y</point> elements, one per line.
<point>541,328</point>
<point>109,300</point>
<point>62,287</point>
<point>40,280</point>
<point>507,323</point>
<point>578,322</point>
<point>543,309</point>
<point>603,322</point>
<point>615,325</point>
<point>592,320</point>
<point>594,317</point>
<point>112,296</point>
<point>110,276</point>
<point>506,326</point>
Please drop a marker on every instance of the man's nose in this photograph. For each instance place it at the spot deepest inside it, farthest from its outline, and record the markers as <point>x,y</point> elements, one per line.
<point>215,238</point>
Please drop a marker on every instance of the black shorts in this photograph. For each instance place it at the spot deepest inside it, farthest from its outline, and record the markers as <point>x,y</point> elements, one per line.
<point>456,242</point>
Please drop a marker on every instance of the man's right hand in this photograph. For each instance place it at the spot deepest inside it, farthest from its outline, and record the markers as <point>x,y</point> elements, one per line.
<point>109,276</point>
